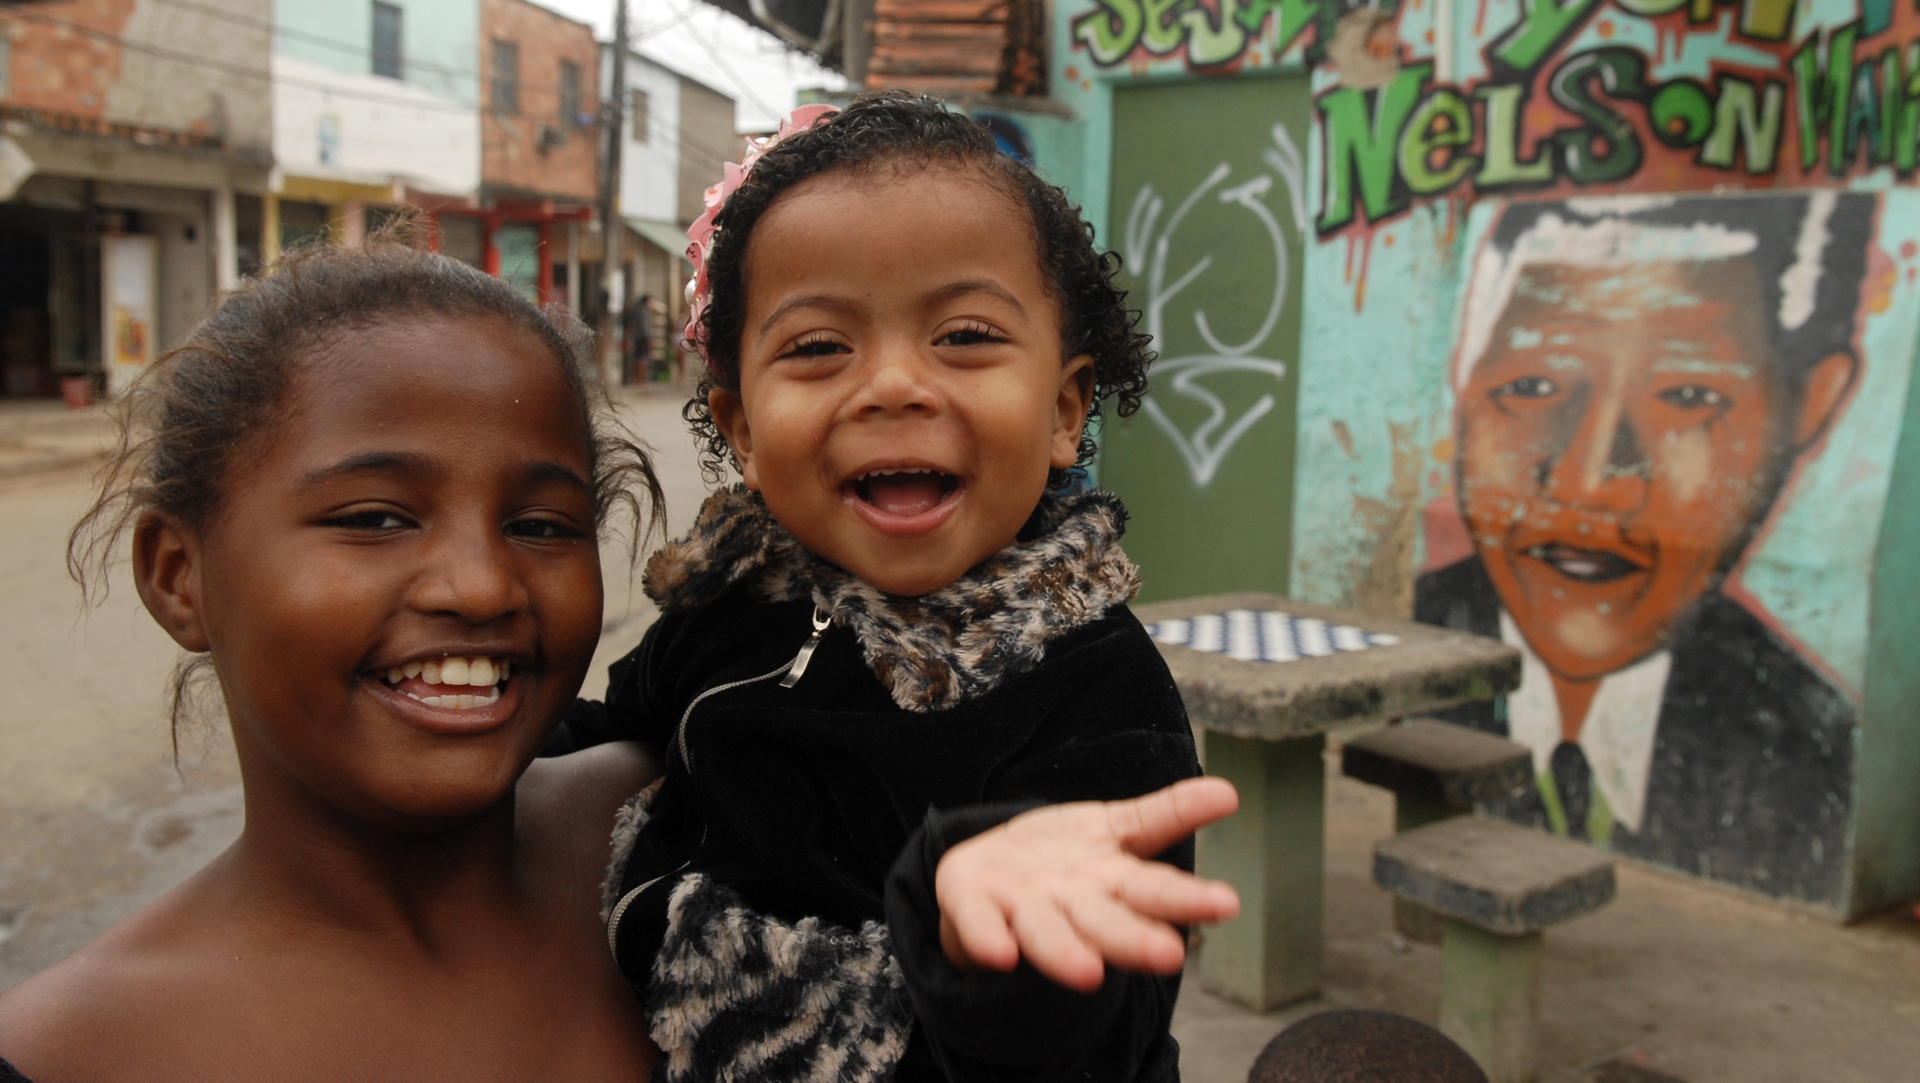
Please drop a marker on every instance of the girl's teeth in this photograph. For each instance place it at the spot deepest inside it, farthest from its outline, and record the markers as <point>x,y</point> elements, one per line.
<point>460,703</point>
<point>453,671</point>
<point>480,672</point>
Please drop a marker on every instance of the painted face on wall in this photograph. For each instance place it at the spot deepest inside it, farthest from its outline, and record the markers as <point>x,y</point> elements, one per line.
<point>1622,430</point>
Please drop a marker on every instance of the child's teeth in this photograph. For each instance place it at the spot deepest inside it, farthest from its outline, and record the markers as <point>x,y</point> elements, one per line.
<point>452,671</point>
<point>480,673</point>
<point>430,672</point>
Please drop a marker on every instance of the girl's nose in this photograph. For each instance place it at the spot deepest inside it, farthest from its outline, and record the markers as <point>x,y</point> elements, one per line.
<point>896,382</point>
<point>469,576</point>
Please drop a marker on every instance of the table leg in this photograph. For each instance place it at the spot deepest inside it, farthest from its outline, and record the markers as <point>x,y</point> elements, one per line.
<point>1490,998</point>
<point>1273,853</point>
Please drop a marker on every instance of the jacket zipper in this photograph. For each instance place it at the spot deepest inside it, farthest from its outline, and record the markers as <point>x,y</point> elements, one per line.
<point>794,670</point>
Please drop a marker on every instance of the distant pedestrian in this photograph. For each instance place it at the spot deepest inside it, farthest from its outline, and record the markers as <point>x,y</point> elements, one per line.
<point>637,328</point>
<point>367,492</point>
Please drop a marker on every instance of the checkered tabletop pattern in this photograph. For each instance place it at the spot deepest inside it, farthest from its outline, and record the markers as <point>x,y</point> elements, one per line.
<point>1266,635</point>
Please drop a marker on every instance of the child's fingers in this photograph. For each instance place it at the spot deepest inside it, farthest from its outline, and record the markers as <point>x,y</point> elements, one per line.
<point>981,928</point>
<point>1147,825</point>
<point>1054,947</point>
<point>1161,891</point>
<point>1126,939</point>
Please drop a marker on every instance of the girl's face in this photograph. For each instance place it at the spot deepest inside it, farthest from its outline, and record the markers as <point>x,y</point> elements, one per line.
<point>421,504</point>
<point>902,394</point>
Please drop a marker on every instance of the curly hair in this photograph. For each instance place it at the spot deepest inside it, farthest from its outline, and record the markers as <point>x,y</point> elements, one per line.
<point>206,403</point>
<point>892,128</point>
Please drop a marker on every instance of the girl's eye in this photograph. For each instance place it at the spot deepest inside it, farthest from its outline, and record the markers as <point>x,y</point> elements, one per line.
<point>378,521</point>
<point>971,334</point>
<point>1526,387</point>
<point>816,346</point>
<point>541,528</point>
<point>1693,397</point>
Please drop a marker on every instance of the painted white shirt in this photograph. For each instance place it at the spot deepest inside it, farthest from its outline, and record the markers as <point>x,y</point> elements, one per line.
<point>1617,736</point>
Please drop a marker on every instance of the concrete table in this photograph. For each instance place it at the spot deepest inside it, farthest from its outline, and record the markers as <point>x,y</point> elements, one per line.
<point>1264,726</point>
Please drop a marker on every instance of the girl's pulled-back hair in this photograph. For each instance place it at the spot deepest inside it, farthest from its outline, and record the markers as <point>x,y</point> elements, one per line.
<point>187,420</point>
<point>892,129</point>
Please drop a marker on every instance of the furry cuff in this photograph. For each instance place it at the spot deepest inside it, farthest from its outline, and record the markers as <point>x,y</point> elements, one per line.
<point>740,996</point>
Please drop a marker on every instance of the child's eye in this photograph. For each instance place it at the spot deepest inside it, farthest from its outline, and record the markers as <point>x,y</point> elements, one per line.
<point>374,520</point>
<point>971,333</point>
<point>542,528</point>
<point>816,345</point>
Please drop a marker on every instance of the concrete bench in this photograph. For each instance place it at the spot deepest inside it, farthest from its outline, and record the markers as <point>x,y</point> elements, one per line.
<point>1264,708</point>
<point>1497,887</point>
<point>1437,771</point>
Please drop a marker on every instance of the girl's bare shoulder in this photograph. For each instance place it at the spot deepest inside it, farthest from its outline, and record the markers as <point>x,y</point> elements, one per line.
<point>117,1006</point>
<point>567,803</point>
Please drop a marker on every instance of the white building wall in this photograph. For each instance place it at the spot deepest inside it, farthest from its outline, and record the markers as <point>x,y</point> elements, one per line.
<point>650,171</point>
<point>369,130</point>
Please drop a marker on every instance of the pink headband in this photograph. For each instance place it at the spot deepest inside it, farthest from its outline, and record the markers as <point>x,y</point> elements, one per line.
<point>703,230</point>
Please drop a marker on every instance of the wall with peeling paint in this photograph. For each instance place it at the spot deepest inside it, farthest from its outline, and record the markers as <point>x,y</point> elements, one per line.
<point>1432,118</point>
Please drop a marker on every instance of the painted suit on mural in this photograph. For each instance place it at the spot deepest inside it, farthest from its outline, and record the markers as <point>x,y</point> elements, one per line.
<point>1637,378</point>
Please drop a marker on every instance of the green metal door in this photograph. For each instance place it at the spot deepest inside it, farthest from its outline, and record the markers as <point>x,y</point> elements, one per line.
<point>1209,208</point>
<point>519,246</point>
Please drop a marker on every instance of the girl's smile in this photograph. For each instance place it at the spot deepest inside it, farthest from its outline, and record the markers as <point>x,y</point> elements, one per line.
<point>902,392</point>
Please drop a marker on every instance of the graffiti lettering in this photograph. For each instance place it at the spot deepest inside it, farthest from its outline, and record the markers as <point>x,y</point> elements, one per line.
<point>1211,35</point>
<point>1147,243</point>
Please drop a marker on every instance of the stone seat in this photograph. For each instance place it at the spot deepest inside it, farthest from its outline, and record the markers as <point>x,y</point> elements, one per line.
<point>1497,888</point>
<point>1436,770</point>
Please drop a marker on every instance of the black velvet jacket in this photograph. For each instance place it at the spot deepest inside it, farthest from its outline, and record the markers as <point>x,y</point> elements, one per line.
<point>774,904</point>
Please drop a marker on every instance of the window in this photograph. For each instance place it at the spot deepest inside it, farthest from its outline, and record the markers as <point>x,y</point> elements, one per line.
<point>569,94</point>
<point>506,77</point>
<point>637,109</point>
<point>386,40</point>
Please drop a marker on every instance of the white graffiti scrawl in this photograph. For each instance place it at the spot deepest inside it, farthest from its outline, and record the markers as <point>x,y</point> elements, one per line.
<point>1147,243</point>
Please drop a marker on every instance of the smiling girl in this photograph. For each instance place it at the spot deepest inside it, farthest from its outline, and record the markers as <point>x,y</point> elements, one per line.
<point>369,492</point>
<point>896,638</point>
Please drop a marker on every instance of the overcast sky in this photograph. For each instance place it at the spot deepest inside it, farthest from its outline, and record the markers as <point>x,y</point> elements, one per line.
<point>715,48</point>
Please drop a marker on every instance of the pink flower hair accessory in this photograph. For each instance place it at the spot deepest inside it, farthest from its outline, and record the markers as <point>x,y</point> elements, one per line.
<point>703,230</point>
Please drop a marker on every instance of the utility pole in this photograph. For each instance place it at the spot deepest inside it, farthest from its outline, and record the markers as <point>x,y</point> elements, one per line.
<point>611,227</point>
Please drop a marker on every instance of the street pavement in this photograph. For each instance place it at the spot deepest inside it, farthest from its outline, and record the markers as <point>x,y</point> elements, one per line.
<point>1676,980</point>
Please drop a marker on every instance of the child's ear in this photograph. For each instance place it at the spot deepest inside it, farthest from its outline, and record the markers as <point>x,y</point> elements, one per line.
<point>1070,410</point>
<point>166,574</point>
<point>730,417</point>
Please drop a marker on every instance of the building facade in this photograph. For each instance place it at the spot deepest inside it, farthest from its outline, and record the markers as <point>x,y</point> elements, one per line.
<point>376,104</point>
<point>539,164</point>
<point>133,161</point>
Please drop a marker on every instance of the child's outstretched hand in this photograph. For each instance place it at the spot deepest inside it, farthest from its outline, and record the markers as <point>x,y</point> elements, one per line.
<point>1071,889</point>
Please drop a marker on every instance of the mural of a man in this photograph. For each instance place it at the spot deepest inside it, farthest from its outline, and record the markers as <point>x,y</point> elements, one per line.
<point>1636,379</point>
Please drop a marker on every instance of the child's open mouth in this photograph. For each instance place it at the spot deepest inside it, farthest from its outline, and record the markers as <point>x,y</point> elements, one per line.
<point>906,492</point>
<point>459,684</point>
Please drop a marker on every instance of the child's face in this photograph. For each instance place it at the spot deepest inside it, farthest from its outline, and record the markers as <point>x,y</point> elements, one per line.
<point>423,496</point>
<point>902,394</point>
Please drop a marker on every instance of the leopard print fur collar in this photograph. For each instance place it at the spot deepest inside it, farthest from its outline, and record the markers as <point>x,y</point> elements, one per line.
<point>934,651</point>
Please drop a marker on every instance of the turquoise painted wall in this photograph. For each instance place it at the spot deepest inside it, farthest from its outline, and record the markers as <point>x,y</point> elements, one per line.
<point>440,40</point>
<point>1546,106</point>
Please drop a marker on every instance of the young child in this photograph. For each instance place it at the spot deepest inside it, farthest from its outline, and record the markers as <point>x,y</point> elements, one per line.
<point>892,639</point>
<point>369,492</point>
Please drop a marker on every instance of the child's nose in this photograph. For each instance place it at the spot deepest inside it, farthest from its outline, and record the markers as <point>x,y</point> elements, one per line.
<point>470,576</point>
<point>897,383</point>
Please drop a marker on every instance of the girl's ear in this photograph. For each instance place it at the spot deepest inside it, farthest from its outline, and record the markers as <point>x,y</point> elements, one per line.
<point>1070,410</point>
<point>166,573</point>
<point>730,417</point>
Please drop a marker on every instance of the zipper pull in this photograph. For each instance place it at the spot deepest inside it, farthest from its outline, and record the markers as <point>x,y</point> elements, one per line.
<point>798,667</point>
